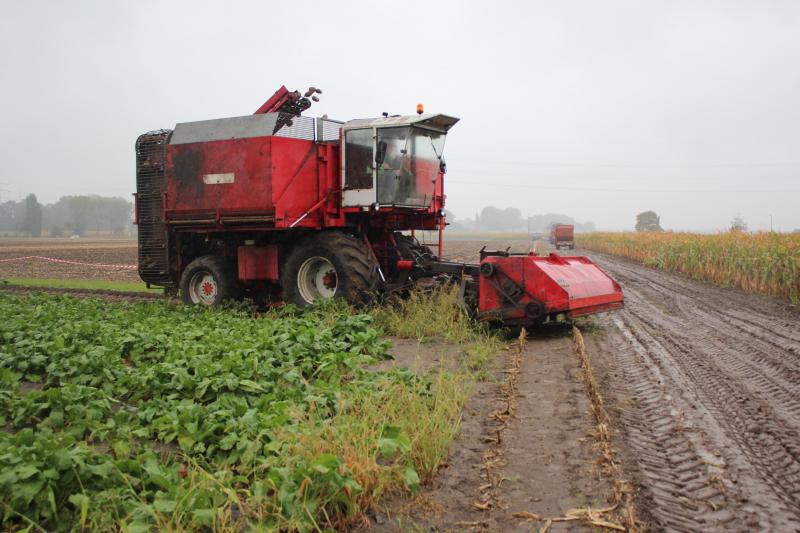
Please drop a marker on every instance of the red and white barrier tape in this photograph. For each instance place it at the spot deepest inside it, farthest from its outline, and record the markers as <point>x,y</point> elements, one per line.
<point>68,262</point>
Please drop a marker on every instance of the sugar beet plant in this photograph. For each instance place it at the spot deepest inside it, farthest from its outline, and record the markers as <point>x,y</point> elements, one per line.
<point>145,417</point>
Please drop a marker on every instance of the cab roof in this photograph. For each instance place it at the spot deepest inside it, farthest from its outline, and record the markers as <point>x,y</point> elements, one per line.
<point>434,121</point>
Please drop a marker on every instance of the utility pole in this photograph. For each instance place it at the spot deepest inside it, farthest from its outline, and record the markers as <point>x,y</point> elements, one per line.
<point>770,223</point>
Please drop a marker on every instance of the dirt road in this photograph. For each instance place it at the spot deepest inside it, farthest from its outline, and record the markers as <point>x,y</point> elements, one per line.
<point>705,383</point>
<point>703,386</point>
<point>522,449</point>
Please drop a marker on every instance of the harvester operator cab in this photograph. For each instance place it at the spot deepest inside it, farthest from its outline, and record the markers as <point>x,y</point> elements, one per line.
<point>393,161</point>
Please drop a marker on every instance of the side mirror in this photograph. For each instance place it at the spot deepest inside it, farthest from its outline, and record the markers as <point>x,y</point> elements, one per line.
<point>380,153</point>
<point>442,166</point>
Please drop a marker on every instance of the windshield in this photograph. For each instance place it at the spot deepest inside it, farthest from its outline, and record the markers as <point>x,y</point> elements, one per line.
<point>410,167</point>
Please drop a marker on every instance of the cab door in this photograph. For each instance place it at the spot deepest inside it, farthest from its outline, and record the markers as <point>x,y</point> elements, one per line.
<point>358,168</point>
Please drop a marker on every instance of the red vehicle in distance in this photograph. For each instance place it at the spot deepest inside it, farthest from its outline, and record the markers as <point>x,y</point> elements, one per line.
<point>562,236</point>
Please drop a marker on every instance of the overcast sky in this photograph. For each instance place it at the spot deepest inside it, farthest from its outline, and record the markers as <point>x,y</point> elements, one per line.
<point>594,109</point>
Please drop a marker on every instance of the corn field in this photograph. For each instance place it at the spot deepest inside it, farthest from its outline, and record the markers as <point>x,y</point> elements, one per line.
<point>767,263</point>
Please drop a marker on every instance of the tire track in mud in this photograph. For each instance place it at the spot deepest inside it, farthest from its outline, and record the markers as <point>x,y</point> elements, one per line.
<point>710,386</point>
<point>679,474</point>
<point>745,359</point>
<point>767,320</point>
<point>747,352</point>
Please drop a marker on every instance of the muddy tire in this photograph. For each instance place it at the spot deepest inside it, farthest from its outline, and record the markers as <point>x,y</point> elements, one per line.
<point>329,265</point>
<point>208,280</point>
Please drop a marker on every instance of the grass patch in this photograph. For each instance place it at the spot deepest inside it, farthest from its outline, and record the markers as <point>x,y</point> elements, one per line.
<point>94,284</point>
<point>428,315</point>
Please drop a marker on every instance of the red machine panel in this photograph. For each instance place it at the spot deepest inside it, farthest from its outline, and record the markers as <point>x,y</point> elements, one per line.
<point>230,175</point>
<point>258,262</point>
<point>295,179</point>
<point>524,288</point>
<point>268,179</point>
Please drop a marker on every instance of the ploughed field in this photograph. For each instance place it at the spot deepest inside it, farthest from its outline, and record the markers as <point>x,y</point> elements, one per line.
<point>97,251</point>
<point>702,385</point>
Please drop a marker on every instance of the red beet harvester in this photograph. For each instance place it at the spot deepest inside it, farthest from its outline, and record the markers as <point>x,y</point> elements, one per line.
<point>286,207</point>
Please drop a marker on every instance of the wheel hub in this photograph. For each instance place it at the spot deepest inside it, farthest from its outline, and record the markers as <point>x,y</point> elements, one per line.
<point>329,279</point>
<point>317,279</point>
<point>203,288</point>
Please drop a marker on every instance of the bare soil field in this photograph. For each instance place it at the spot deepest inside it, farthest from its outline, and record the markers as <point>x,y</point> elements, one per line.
<point>702,385</point>
<point>468,251</point>
<point>98,251</point>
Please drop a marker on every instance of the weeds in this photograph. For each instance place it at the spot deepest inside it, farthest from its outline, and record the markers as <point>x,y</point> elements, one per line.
<point>433,314</point>
<point>436,315</point>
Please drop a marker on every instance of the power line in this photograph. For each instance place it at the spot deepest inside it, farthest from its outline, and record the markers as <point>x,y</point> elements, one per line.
<point>529,164</point>
<point>455,181</point>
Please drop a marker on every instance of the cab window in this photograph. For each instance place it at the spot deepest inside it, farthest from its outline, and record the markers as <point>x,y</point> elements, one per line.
<point>358,159</point>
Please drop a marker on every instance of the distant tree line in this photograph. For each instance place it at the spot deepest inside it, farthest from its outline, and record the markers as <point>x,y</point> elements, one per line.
<point>70,215</point>
<point>492,218</point>
<point>648,221</point>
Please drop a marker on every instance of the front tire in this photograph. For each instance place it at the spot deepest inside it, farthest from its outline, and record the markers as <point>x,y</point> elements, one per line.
<point>208,280</point>
<point>329,265</point>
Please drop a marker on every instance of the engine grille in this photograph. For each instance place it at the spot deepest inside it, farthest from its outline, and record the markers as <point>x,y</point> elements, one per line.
<point>301,128</point>
<point>311,129</point>
<point>151,150</point>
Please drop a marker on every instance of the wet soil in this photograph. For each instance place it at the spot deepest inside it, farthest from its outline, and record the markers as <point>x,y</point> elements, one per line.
<point>548,449</point>
<point>541,459</point>
<point>705,388</point>
<point>422,357</point>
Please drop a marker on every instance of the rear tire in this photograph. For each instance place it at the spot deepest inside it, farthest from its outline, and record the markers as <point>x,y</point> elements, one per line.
<point>411,248</point>
<point>331,264</point>
<point>208,280</point>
